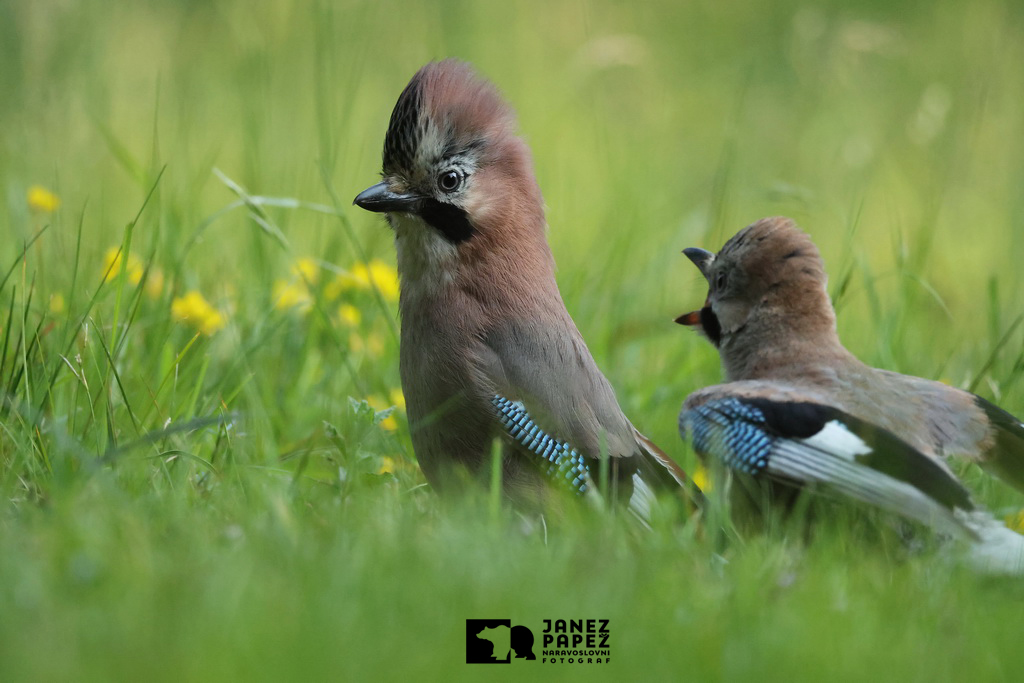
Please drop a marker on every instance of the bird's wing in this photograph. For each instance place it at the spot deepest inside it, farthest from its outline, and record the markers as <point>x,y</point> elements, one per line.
<point>549,369</point>
<point>563,464</point>
<point>550,372</point>
<point>779,432</point>
<point>559,461</point>
<point>1003,451</point>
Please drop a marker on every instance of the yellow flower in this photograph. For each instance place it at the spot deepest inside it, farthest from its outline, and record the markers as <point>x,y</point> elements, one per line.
<point>42,199</point>
<point>307,270</point>
<point>364,276</point>
<point>397,398</point>
<point>389,423</point>
<point>350,314</point>
<point>387,464</point>
<point>134,269</point>
<point>702,479</point>
<point>56,303</point>
<point>213,323</point>
<point>195,310</point>
<point>1016,521</point>
<point>380,274</point>
<point>291,295</point>
<point>112,266</point>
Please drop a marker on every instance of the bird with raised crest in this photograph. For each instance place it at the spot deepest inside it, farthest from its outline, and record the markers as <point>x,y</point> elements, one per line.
<point>488,349</point>
<point>798,409</point>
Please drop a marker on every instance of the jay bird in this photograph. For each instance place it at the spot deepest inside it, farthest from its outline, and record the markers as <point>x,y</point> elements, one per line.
<point>487,348</point>
<point>799,409</point>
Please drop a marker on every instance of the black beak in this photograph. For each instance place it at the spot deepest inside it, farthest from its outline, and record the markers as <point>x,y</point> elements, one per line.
<point>701,258</point>
<point>382,200</point>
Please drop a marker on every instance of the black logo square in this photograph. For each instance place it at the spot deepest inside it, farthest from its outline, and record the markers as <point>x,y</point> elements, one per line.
<point>488,641</point>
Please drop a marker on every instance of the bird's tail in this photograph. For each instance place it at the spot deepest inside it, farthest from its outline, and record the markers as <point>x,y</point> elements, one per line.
<point>666,472</point>
<point>1006,456</point>
<point>997,550</point>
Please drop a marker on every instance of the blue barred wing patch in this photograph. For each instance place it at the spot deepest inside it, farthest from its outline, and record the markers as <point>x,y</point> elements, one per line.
<point>560,460</point>
<point>732,431</point>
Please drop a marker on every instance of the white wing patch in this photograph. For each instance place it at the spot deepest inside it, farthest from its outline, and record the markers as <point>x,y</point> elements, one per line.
<point>835,438</point>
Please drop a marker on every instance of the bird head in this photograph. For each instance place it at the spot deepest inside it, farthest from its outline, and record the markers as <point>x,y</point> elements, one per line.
<point>767,283</point>
<point>454,168</point>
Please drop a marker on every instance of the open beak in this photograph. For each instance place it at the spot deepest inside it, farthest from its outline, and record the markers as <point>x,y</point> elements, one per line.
<point>703,260</point>
<point>690,319</point>
<point>380,199</point>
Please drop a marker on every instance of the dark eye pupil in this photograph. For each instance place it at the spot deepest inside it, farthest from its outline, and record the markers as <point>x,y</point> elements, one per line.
<point>720,281</point>
<point>449,181</point>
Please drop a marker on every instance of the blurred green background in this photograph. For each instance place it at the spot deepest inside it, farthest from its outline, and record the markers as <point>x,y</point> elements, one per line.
<point>193,487</point>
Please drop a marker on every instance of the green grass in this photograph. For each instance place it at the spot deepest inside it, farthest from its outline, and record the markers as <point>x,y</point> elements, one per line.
<point>188,506</point>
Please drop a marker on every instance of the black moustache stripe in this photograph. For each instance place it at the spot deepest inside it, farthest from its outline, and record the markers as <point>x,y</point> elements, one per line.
<point>449,220</point>
<point>712,328</point>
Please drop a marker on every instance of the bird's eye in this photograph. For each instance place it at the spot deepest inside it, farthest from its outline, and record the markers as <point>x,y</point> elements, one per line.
<point>449,181</point>
<point>720,281</point>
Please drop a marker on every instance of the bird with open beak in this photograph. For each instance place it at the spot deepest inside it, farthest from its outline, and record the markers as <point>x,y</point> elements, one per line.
<point>488,349</point>
<point>798,409</point>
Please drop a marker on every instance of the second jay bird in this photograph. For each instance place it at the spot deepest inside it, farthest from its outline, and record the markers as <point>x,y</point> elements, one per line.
<point>799,409</point>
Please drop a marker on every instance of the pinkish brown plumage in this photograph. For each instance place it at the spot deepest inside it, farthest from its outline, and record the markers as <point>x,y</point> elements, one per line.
<point>481,313</point>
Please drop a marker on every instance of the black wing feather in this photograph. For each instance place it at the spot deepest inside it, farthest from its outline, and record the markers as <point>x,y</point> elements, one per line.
<point>1006,456</point>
